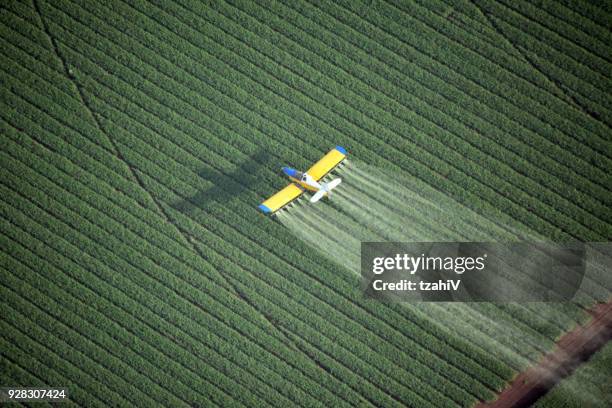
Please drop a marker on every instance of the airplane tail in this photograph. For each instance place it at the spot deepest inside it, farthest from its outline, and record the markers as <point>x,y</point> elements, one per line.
<point>326,188</point>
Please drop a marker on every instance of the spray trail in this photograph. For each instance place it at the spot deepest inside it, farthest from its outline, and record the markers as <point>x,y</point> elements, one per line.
<point>372,205</point>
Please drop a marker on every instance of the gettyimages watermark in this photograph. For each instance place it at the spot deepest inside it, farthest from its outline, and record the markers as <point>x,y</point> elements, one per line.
<point>485,271</point>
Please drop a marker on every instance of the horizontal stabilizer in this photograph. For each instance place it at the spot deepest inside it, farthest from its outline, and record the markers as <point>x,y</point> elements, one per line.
<point>332,184</point>
<point>326,188</point>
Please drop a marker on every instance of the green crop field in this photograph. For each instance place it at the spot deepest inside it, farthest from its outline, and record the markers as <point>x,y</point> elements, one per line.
<point>590,385</point>
<point>138,138</point>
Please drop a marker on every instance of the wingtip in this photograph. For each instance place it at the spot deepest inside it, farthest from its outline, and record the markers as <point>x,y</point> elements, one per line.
<point>341,149</point>
<point>263,208</point>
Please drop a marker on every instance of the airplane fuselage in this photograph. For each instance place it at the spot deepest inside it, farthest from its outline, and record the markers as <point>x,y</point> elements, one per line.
<point>302,179</point>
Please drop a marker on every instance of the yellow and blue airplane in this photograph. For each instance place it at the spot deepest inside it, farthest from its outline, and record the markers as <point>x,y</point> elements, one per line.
<point>309,180</point>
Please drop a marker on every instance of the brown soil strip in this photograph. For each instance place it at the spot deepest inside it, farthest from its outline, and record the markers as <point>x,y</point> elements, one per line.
<point>571,350</point>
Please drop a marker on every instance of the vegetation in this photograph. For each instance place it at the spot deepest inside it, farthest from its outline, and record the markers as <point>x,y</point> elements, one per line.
<point>139,136</point>
<point>589,385</point>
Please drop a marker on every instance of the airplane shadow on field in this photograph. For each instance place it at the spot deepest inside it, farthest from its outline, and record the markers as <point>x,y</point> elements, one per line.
<point>227,187</point>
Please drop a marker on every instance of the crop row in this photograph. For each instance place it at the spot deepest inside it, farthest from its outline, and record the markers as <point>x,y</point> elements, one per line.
<point>123,327</point>
<point>95,175</point>
<point>225,234</point>
<point>64,123</point>
<point>528,313</point>
<point>466,26</point>
<point>493,20</point>
<point>85,338</point>
<point>74,110</point>
<point>169,128</point>
<point>477,155</point>
<point>504,91</point>
<point>34,369</point>
<point>583,15</point>
<point>195,299</point>
<point>558,32</point>
<point>183,173</point>
<point>211,392</point>
<point>523,313</point>
<point>588,385</point>
<point>37,164</point>
<point>573,58</point>
<point>13,374</point>
<point>587,36</point>
<point>518,60</point>
<point>570,82</point>
<point>81,210</point>
<point>55,353</point>
<point>403,97</point>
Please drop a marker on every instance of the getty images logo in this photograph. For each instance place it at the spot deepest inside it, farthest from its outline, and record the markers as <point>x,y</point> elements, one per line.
<point>413,264</point>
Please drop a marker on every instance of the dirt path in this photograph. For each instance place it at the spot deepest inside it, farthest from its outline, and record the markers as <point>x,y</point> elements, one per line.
<point>572,349</point>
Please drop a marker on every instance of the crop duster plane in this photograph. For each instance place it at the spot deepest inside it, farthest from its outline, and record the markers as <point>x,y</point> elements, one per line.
<point>309,180</point>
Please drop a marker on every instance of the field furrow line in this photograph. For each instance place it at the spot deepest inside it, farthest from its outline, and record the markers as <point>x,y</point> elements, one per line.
<point>90,113</point>
<point>257,253</point>
<point>139,138</point>
<point>536,189</point>
<point>89,342</point>
<point>179,172</point>
<point>530,58</point>
<point>510,90</point>
<point>492,53</point>
<point>177,339</point>
<point>463,23</point>
<point>77,122</point>
<point>153,351</point>
<point>519,210</point>
<point>549,17</point>
<point>57,354</point>
<point>24,361</point>
<point>235,327</point>
<point>280,286</point>
<point>197,302</point>
<point>595,66</point>
<point>246,314</point>
<point>182,171</point>
<point>117,151</point>
<point>578,22</point>
<point>582,88</point>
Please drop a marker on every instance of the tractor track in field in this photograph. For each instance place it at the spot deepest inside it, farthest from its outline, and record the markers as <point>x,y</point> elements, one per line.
<point>572,349</point>
<point>187,238</point>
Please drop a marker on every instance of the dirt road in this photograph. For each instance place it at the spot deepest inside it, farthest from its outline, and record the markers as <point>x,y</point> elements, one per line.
<point>571,350</point>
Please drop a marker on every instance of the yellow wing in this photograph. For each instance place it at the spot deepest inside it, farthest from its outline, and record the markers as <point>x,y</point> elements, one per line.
<point>327,163</point>
<point>281,199</point>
